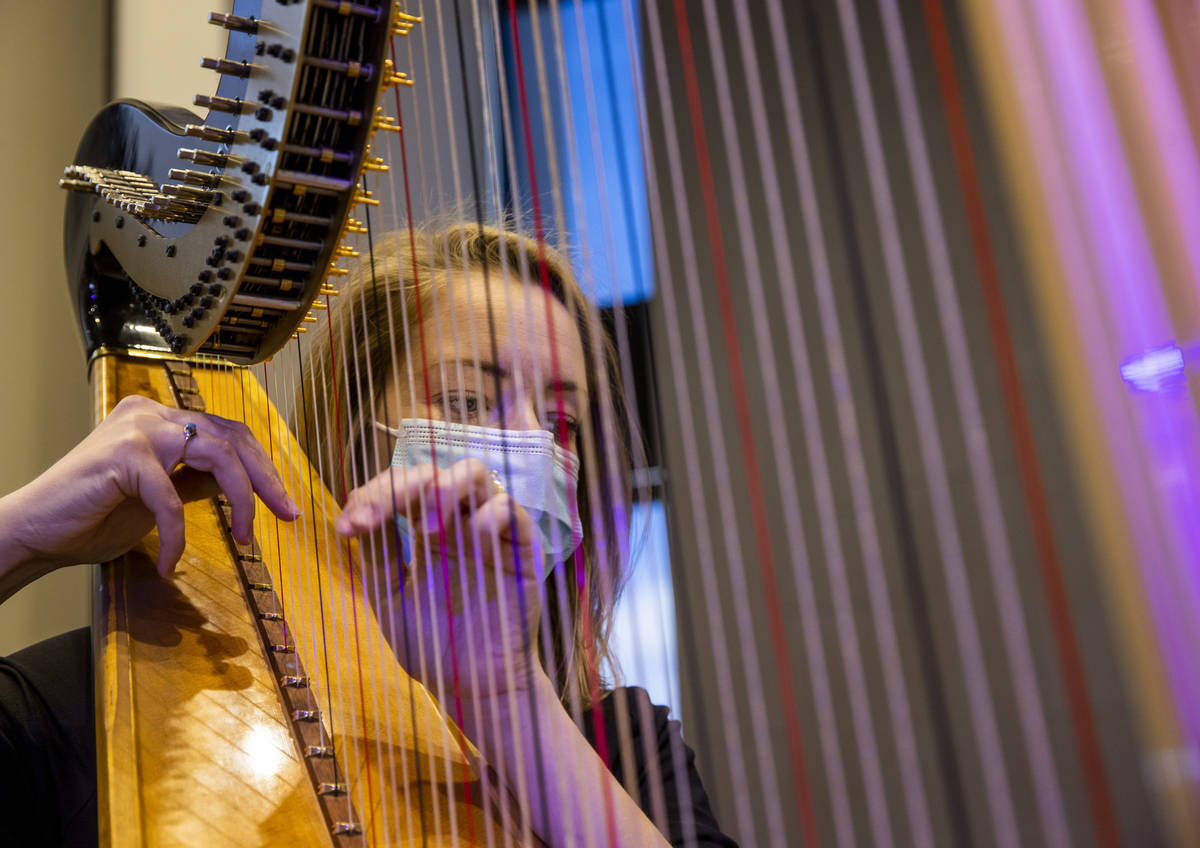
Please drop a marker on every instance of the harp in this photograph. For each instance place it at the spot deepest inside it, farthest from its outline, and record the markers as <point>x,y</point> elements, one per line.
<point>924,295</point>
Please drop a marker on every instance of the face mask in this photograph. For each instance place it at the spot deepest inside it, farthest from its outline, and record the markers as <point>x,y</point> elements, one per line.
<point>539,474</point>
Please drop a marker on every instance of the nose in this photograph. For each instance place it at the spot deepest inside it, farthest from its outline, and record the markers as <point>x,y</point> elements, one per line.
<point>521,414</point>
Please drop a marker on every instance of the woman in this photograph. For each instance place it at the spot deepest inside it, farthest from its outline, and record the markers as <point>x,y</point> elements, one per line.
<point>471,358</point>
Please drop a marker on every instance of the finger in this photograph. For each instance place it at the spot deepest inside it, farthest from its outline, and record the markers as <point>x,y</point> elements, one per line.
<point>155,489</point>
<point>388,493</point>
<point>264,477</point>
<point>502,520</point>
<point>220,459</point>
<point>457,490</point>
<point>195,485</point>
<point>262,474</point>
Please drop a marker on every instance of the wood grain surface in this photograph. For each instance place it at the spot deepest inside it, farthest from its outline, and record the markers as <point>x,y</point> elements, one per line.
<point>195,741</point>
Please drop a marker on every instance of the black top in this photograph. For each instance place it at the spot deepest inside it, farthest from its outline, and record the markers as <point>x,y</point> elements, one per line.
<point>651,755</point>
<point>47,748</point>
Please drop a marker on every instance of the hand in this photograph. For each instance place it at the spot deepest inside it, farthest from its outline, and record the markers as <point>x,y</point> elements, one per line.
<point>473,582</point>
<point>101,498</point>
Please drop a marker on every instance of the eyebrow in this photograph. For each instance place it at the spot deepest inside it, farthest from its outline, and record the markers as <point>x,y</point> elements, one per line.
<point>491,369</point>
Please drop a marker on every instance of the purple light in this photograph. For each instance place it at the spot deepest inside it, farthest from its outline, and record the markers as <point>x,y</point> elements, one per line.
<point>1159,369</point>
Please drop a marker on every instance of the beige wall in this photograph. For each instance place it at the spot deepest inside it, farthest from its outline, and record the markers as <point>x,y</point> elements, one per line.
<point>58,55</point>
<point>54,59</point>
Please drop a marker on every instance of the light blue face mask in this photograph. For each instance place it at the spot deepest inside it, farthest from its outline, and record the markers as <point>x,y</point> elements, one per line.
<point>539,474</point>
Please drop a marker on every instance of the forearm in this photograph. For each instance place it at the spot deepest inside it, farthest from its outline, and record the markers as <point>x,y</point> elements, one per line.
<point>18,566</point>
<point>571,796</point>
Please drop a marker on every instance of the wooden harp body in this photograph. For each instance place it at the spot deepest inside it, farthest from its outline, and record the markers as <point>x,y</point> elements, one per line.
<point>207,712</point>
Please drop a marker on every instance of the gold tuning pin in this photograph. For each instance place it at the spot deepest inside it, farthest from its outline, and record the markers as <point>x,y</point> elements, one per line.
<point>363,197</point>
<point>374,163</point>
<point>400,16</point>
<point>344,250</point>
<point>383,122</point>
<point>316,304</point>
<point>356,228</point>
<point>328,290</point>
<point>310,318</point>
<point>391,76</point>
<point>335,271</point>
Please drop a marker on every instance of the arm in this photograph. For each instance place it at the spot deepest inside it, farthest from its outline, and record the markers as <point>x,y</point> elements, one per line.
<point>509,708</point>
<point>117,484</point>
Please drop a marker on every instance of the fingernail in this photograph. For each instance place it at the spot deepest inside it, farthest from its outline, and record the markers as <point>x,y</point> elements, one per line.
<point>296,511</point>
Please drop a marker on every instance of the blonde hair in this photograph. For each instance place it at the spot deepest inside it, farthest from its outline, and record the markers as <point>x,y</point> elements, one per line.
<point>394,285</point>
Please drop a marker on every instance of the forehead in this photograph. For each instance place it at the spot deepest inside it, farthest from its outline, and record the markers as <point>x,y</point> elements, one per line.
<point>529,326</point>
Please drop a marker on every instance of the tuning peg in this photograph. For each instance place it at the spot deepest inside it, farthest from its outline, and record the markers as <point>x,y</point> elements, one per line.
<point>204,157</point>
<point>209,133</point>
<point>223,66</point>
<point>187,192</point>
<point>234,22</point>
<point>391,76</point>
<point>385,122</point>
<point>345,250</point>
<point>197,178</point>
<point>76,185</point>
<point>310,319</point>
<point>316,304</point>
<point>328,290</point>
<point>219,104</point>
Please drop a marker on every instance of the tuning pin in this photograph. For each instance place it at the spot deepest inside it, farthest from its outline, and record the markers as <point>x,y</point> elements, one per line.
<point>335,271</point>
<point>223,66</point>
<point>209,133</point>
<point>197,178</point>
<point>310,318</point>
<point>204,157</point>
<point>235,22</point>
<point>345,250</point>
<point>384,122</point>
<point>316,304</point>
<point>374,163</point>
<point>76,185</point>
<point>328,290</point>
<point>219,104</point>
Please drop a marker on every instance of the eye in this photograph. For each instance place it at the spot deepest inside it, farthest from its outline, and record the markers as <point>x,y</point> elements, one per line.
<point>461,405</point>
<point>565,429</point>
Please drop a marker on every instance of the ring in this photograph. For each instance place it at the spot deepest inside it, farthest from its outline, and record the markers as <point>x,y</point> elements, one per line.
<point>189,433</point>
<point>496,484</point>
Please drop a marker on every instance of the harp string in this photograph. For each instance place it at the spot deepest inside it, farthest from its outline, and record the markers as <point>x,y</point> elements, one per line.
<point>688,650</point>
<point>605,587</point>
<point>692,463</point>
<point>394,559</point>
<point>763,546</point>
<point>864,729</point>
<point>899,712</point>
<point>1129,451</point>
<point>1032,710</point>
<point>657,800</point>
<point>979,691</point>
